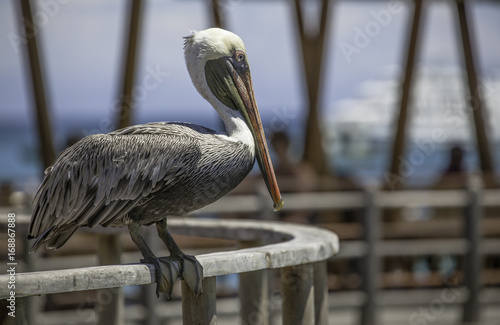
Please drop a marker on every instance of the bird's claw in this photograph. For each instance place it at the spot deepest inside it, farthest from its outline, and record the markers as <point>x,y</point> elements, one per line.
<point>192,273</point>
<point>167,271</point>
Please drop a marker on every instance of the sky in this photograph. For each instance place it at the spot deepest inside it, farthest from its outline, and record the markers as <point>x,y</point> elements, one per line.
<point>82,44</point>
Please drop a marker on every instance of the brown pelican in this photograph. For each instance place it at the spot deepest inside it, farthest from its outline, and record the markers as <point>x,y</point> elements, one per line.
<point>141,174</point>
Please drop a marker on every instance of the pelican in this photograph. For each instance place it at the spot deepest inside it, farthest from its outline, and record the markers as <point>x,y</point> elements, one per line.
<point>141,174</point>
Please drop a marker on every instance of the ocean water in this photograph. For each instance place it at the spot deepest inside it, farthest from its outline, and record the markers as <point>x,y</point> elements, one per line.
<point>19,155</point>
<point>20,164</point>
<point>21,168</point>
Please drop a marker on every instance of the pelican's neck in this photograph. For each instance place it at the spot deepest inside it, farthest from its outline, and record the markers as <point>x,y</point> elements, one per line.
<point>236,128</point>
<point>197,52</point>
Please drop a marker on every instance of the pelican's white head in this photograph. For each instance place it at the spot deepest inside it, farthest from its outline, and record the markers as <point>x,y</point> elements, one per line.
<point>206,45</point>
<point>217,63</point>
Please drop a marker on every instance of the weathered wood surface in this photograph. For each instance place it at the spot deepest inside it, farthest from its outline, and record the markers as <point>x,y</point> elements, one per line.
<point>295,244</point>
<point>370,263</point>
<point>298,295</point>
<point>320,293</point>
<point>473,265</point>
<point>254,293</point>
<point>109,254</point>
<point>199,310</point>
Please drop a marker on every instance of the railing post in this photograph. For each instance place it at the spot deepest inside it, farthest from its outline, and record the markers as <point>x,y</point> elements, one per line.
<point>254,298</point>
<point>298,294</point>
<point>472,259</point>
<point>320,293</point>
<point>370,261</point>
<point>111,300</point>
<point>254,293</point>
<point>33,305</point>
<point>199,310</point>
<point>149,292</point>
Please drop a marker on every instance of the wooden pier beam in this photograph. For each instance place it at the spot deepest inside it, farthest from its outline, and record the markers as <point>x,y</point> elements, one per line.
<point>298,294</point>
<point>313,47</point>
<point>394,179</point>
<point>218,14</point>
<point>370,270</point>
<point>254,298</point>
<point>320,293</point>
<point>111,300</point>
<point>130,61</point>
<point>46,144</point>
<point>254,293</point>
<point>473,261</point>
<point>475,99</point>
<point>202,309</point>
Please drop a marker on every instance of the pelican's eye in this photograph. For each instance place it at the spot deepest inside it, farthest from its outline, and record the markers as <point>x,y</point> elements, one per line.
<point>240,56</point>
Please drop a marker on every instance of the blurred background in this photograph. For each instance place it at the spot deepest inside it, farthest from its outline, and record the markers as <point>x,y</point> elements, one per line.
<point>391,96</point>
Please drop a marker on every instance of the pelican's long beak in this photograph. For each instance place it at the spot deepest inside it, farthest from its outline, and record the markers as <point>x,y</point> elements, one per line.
<point>232,84</point>
<point>245,89</point>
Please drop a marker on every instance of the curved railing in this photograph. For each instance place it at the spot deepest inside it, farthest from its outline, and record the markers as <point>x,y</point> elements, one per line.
<point>299,251</point>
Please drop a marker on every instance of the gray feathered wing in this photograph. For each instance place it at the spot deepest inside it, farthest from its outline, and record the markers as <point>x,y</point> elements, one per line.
<point>103,177</point>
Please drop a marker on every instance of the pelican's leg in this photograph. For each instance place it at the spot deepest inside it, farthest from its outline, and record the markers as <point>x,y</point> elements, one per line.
<point>191,269</point>
<point>166,272</point>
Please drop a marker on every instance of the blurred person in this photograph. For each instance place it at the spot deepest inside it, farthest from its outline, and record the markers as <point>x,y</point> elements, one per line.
<point>5,193</point>
<point>455,174</point>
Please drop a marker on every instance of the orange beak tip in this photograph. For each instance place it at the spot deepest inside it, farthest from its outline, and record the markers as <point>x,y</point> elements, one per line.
<point>278,206</point>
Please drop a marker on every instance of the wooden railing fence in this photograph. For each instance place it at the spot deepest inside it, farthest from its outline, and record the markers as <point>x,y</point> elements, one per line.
<point>286,249</point>
<point>299,252</point>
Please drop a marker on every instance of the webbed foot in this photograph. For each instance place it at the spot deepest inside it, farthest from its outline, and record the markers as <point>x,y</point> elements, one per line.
<point>192,273</point>
<point>167,271</point>
<point>191,270</point>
